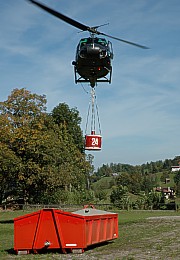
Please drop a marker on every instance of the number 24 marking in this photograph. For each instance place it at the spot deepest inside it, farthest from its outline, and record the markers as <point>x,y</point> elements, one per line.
<point>94,141</point>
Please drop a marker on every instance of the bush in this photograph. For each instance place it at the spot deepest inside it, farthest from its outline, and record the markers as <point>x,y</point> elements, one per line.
<point>119,197</point>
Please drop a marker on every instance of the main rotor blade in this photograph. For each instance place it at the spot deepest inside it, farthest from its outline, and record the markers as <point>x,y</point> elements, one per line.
<point>61,16</point>
<point>121,40</point>
<point>80,26</point>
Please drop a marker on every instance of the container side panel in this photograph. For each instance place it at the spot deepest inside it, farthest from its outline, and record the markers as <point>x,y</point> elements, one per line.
<point>103,230</point>
<point>115,233</point>
<point>89,232</point>
<point>47,235</point>
<point>24,231</point>
<point>71,229</point>
<point>109,229</point>
<point>112,228</point>
<point>95,229</point>
<point>98,230</point>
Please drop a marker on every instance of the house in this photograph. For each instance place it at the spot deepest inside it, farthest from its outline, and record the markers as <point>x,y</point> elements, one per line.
<point>115,174</point>
<point>167,180</point>
<point>175,168</point>
<point>168,192</point>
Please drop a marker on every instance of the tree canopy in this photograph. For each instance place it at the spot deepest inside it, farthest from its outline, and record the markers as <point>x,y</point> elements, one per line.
<point>39,154</point>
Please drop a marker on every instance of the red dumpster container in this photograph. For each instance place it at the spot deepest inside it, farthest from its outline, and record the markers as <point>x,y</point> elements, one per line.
<point>49,229</point>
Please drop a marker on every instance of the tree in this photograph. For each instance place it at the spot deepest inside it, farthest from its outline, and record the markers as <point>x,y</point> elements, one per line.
<point>119,197</point>
<point>123,179</point>
<point>148,182</point>
<point>9,166</point>
<point>101,194</point>
<point>164,175</point>
<point>104,171</point>
<point>44,156</point>
<point>24,134</point>
<point>177,182</point>
<point>70,119</point>
<point>90,159</point>
<point>167,164</point>
<point>155,199</point>
<point>130,180</point>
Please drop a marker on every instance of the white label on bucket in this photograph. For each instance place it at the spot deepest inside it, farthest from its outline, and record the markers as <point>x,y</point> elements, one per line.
<point>71,244</point>
<point>94,141</point>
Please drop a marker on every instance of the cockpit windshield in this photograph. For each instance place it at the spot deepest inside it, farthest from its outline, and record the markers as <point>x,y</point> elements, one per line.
<point>101,41</point>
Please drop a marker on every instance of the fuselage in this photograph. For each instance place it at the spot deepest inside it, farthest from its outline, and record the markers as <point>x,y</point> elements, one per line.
<point>93,58</point>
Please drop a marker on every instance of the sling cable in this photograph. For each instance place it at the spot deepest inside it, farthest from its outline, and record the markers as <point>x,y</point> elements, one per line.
<point>93,141</point>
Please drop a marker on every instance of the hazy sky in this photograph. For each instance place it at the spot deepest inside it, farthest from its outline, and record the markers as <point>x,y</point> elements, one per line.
<point>139,111</point>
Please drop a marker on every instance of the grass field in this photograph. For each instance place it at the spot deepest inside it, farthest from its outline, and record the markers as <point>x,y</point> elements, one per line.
<point>142,235</point>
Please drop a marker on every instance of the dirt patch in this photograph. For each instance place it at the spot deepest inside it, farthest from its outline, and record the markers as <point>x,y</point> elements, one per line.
<point>165,218</point>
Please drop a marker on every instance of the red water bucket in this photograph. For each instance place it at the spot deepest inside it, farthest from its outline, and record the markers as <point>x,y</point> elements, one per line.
<point>93,142</point>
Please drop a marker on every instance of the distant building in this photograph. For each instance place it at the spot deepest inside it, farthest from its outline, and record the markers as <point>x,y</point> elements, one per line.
<point>175,168</point>
<point>168,192</point>
<point>115,174</point>
<point>167,180</point>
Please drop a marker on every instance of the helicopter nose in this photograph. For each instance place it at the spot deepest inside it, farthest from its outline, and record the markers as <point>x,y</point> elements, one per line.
<point>93,50</point>
<point>103,54</point>
<point>83,53</point>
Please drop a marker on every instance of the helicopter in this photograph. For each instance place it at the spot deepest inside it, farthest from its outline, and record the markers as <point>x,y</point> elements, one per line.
<point>94,55</point>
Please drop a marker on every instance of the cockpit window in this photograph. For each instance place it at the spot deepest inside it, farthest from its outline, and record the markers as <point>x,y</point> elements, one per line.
<point>89,40</point>
<point>101,41</point>
<point>83,40</point>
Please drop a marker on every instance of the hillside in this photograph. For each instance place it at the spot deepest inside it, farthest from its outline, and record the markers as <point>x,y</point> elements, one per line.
<point>139,180</point>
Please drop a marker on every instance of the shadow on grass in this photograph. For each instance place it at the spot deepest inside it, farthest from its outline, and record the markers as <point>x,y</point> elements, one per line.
<point>100,245</point>
<point>10,221</point>
<point>11,251</point>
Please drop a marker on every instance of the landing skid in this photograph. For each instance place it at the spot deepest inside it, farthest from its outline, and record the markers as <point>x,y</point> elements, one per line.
<point>92,81</point>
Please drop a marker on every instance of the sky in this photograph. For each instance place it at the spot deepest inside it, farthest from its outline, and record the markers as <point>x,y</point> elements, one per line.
<point>139,111</point>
